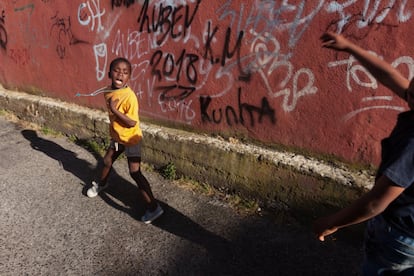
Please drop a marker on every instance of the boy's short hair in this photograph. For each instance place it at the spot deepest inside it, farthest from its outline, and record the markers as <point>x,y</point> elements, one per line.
<point>119,60</point>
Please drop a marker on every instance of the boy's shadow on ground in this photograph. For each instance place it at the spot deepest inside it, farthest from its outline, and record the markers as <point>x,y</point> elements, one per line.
<point>68,159</point>
<point>124,196</point>
<point>225,257</point>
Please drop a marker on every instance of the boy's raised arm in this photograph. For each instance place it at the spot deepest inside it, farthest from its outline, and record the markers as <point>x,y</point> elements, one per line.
<point>381,70</point>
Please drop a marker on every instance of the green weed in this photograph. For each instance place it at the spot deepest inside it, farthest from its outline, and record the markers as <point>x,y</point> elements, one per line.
<point>169,171</point>
<point>92,145</point>
<point>49,131</point>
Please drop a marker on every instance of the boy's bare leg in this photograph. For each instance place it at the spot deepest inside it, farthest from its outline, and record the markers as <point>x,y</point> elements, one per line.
<point>97,186</point>
<point>142,182</point>
<point>110,156</point>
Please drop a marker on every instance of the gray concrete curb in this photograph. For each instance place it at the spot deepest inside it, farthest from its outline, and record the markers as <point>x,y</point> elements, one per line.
<point>255,172</point>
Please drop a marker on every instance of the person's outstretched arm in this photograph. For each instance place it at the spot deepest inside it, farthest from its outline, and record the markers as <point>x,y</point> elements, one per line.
<point>381,70</point>
<point>369,205</point>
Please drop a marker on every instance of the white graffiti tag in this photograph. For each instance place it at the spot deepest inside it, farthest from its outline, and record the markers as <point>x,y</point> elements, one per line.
<point>91,15</point>
<point>269,61</point>
<point>357,73</point>
<point>101,59</point>
<point>374,11</point>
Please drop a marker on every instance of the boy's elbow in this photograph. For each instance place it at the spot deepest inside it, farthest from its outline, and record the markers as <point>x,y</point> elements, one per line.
<point>375,208</point>
<point>132,124</point>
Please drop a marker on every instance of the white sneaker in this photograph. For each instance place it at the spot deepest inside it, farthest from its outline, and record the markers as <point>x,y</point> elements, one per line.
<point>95,189</point>
<point>149,216</point>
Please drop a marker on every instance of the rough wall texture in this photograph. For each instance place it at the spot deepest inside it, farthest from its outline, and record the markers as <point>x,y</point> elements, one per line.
<point>251,69</point>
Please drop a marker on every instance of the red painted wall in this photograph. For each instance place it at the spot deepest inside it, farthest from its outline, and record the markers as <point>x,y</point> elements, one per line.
<point>243,68</point>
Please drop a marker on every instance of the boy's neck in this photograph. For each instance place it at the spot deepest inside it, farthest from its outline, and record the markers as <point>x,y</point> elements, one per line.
<point>115,88</point>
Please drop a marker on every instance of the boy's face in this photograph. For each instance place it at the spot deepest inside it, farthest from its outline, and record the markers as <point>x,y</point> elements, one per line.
<point>119,75</point>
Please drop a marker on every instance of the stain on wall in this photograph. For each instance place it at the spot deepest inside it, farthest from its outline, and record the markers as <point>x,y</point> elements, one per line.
<point>253,70</point>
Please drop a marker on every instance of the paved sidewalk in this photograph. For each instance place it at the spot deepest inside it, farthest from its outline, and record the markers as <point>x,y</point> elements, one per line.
<point>49,227</point>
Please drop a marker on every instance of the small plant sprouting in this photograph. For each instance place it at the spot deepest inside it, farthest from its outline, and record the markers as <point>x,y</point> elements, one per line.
<point>49,131</point>
<point>169,171</point>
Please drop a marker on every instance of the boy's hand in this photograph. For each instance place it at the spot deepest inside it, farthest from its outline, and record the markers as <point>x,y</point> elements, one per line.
<point>334,41</point>
<point>322,228</point>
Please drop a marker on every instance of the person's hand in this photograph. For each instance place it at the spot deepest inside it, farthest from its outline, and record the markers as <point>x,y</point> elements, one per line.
<point>334,41</point>
<point>322,228</point>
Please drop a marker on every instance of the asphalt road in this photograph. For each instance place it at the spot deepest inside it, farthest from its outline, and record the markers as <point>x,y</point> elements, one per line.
<point>49,227</point>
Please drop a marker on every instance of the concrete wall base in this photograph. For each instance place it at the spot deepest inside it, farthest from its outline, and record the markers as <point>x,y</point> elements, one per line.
<point>281,180</point>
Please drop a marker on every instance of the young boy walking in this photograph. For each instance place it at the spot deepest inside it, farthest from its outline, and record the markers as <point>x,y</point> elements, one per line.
<point>389,205</point>
<point>126,136</point>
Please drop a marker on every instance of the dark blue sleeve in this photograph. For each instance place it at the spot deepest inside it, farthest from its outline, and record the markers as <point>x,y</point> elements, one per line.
<point>401,169</point>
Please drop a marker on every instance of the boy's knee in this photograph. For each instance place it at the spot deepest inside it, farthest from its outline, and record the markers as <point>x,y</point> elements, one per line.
<point>136,174</point>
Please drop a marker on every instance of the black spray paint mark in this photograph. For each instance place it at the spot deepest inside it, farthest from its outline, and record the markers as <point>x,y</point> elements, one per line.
<point>166,20</point>
<point>3,32</point>
<point>236,115</point>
